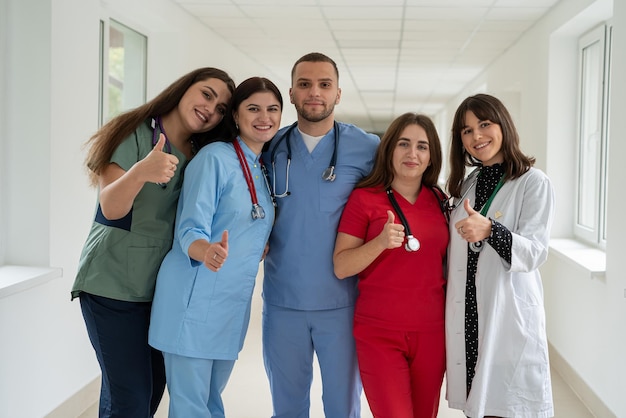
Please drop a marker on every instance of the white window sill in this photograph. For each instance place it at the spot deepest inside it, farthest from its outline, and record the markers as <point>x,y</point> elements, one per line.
<point>588,258</point>
<point>15,279</point>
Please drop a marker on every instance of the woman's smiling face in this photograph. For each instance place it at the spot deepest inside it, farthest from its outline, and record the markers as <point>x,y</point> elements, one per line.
<point>482,139</point>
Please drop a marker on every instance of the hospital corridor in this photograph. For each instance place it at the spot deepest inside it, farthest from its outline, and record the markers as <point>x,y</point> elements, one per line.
<point>69,67</point>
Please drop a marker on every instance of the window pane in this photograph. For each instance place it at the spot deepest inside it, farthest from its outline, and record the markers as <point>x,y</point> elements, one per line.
<point>126,69</point>
<point>101,96</point>
<point>590,134</point>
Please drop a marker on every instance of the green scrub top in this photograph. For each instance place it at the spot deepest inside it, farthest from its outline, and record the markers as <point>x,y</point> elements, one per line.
<point>121,258</point>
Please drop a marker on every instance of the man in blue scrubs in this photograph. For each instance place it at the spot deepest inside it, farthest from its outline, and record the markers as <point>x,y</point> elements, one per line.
<point>307,309</point>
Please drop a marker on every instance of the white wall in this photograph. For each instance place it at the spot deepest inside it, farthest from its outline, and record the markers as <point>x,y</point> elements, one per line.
<point>537,80</point>
<point>613,366</point>
<point>27,132</point>
<point>4,12</point>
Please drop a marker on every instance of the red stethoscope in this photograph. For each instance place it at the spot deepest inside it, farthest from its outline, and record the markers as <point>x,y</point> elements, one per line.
<point>257,209</point>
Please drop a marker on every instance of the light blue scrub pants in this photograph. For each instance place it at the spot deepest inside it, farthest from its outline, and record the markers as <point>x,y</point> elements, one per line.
<point>290,337</point>
<point>195,386</point>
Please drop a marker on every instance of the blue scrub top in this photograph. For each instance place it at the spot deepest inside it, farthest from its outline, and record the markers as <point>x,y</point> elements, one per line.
<point>299,266</point>
<point>196,312</point>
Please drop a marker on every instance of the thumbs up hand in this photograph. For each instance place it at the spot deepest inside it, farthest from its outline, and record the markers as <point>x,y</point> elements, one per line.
<point>160,143</point>
<point>216,254</point>
<point>475,227</point>
<point>392,235</point>
<point>159,166</point>
<point>469,209</point>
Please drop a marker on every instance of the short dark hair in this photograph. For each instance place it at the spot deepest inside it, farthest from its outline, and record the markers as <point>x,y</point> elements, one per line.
<point>314,57</point>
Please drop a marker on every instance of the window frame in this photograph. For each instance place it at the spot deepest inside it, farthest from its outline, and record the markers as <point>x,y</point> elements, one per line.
<point>595,232</point>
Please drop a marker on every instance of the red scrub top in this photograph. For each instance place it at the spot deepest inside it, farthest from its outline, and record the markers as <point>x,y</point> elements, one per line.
<point>400,290</point>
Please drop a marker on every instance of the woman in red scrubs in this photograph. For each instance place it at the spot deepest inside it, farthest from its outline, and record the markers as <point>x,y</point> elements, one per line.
<point>394,234</point>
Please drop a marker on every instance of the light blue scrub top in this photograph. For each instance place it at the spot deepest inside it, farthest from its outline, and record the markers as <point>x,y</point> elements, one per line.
<point>196,312</point>
<point>299,266</point>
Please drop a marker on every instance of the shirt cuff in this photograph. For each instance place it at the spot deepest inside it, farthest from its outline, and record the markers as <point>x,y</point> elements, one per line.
<point>501,240</point>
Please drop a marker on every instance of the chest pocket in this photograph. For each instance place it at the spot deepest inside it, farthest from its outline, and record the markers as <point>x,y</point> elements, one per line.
<point>334,194</point>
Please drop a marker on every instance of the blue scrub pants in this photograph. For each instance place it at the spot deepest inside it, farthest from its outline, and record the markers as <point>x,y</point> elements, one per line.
<point>133,374</point>
<point>195,386</point>
<point>290,337</point>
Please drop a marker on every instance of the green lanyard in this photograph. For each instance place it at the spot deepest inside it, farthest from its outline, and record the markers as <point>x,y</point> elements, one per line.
<point>485,207</point>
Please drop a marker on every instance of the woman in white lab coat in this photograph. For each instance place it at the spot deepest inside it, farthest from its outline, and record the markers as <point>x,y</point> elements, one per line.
<point>497,350</point>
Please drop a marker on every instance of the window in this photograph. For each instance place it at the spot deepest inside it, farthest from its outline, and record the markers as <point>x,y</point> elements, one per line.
<point>123,56</point>
<point>594,52</point>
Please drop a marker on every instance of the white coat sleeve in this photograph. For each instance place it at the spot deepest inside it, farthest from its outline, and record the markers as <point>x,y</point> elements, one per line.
<point>531,234</point>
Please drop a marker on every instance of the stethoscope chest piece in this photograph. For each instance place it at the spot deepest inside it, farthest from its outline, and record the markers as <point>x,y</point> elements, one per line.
<point>477,246</point>
<point>258,212</point>
<point>329,174</point>
<point>412,243</point>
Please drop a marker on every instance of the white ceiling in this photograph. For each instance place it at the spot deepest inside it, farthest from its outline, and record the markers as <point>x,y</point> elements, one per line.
<point>393,56</point>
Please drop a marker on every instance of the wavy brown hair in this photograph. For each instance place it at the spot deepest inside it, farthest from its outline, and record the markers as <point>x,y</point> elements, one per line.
<point>382,173</point>
<point>485,107</point>
<point>104,142</point>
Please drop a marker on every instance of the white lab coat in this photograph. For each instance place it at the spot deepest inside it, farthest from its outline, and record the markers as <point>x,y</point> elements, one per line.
<point>512,373</point>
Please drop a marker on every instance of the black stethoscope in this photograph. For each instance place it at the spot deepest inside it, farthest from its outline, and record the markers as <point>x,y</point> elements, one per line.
<point>449,204</point>
<point>327,175</point>
<point>412,243</point>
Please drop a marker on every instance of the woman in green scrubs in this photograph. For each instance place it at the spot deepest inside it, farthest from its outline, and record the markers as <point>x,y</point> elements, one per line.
<point>137,162</point>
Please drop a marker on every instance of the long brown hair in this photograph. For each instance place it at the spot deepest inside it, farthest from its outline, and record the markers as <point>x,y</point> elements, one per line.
<point>104,142</point>
<point>382,173</point>
<point>485,107</point>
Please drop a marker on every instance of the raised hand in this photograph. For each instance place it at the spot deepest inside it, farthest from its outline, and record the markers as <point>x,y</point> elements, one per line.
<point>392,235</point>
<point>158,166</point>
<point>475,227</point>
<point>216,254</point>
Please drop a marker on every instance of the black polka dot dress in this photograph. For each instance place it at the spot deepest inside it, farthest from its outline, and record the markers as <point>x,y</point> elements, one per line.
<point>501,240</point>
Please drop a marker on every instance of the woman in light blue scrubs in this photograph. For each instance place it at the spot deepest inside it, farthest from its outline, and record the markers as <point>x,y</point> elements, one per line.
<point>201,305</point>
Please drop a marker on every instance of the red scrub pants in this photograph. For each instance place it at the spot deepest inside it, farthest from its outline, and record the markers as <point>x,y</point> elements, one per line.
<point>402,372</point>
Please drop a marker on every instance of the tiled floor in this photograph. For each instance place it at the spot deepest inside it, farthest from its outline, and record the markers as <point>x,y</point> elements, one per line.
<point>247,394</point>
